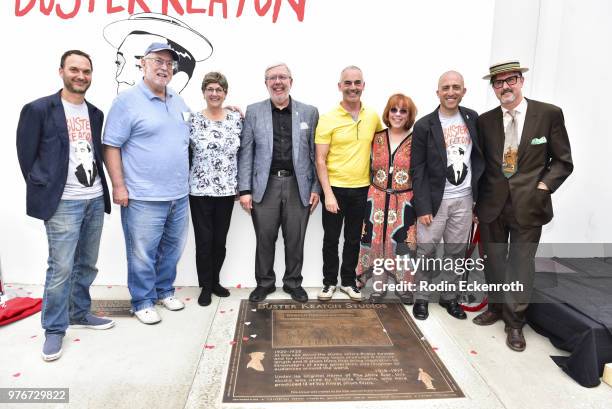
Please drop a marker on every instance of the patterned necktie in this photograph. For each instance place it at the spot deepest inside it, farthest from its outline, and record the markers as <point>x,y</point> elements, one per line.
<point>510,159</point>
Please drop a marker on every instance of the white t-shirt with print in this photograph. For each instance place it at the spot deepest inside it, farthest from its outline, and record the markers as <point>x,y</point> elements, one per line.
<point>458,152</point>
<point>83,181</point>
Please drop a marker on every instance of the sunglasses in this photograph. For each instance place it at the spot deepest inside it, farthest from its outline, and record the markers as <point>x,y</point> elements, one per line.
<point>395,110</point>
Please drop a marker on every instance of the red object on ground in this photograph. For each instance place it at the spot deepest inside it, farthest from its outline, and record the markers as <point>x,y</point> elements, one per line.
<point>18,308</point>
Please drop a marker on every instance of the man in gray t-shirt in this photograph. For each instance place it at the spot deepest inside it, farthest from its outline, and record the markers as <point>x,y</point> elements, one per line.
<point>446,163</point>
<point>59,152</point>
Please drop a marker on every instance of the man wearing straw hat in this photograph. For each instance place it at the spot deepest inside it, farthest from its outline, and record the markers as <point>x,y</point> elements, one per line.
<point>527,157</point>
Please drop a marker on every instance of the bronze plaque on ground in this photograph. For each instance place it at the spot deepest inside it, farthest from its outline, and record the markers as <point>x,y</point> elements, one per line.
<point>333,351</point>
<point>111,308</point>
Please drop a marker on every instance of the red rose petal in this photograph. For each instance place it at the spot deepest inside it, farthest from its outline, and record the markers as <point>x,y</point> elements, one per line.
<point>209,346</point>
<point>434,348</point>
<point>17,375</point>
<point>239,286</point>
<point>179,288</point>
<point>109,286</point>
<point>187,299</point>
<point>222,311</point>
<point>245,338</point>
<point>33,336</point>
<point>232,343</point>
<point>473,352</point>
<point>77,340</point>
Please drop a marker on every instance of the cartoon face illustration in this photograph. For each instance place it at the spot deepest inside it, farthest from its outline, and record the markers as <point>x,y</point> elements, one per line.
<point>83,153</point>
<point>130,37</point>
<point>455,155</point>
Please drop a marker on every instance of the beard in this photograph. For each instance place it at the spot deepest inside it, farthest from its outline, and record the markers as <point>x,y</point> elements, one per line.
<point>71,88</point>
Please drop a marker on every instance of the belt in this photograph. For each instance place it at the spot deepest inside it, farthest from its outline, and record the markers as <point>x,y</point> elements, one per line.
<point>392,191</point>
<point>281,173</point>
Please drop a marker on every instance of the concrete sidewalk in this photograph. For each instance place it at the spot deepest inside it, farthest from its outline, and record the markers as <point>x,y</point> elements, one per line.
<point>182,362</point>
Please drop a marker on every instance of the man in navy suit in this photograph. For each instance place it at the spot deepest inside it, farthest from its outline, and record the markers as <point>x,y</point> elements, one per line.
<point>52,134</point>
<point>446,163</point>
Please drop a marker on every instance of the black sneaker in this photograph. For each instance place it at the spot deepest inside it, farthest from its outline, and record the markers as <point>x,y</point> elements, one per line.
<point>260,293</point>
<point>204,298</point>
<point>220,291</point>
<point>297,293</point>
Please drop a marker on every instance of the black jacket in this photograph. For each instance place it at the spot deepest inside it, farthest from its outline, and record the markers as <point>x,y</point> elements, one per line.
<point>428,161</point>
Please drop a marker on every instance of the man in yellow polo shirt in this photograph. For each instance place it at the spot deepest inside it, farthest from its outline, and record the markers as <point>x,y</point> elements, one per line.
<point>343,144</point>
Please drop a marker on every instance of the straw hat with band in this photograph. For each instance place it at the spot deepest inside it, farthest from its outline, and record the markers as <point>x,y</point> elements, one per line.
<point>506,66</point>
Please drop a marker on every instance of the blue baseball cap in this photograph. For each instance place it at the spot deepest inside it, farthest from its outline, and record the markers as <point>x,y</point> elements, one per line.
<point>156,47</point>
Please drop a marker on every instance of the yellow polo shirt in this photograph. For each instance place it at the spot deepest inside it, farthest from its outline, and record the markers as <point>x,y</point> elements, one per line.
<point>350,144</point>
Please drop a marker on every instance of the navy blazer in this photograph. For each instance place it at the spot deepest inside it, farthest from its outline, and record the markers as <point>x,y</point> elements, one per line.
<point>43,153</point>
<point>428,161</point>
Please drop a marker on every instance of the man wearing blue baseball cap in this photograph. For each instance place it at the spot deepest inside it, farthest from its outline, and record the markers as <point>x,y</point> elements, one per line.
<point>146,142</point>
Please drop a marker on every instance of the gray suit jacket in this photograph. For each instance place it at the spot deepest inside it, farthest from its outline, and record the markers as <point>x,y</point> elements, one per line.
<point>255,155</point>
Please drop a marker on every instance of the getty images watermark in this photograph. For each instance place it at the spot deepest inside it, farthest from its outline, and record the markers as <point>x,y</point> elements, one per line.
<point>433,267</point>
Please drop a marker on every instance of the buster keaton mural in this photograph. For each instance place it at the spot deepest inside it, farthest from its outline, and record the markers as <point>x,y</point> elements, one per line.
<point>132,35</point>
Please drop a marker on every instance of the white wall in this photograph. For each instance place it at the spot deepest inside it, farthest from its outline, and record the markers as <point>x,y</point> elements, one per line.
<point>400,45</point>
<point>566,44</point>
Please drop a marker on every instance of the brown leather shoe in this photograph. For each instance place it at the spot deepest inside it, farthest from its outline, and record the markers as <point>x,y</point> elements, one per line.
<point>486,318</point>
<point>515,339</point>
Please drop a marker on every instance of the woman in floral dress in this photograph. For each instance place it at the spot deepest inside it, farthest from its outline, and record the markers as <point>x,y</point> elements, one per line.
<point>214,143</point>
<point>389,228</point>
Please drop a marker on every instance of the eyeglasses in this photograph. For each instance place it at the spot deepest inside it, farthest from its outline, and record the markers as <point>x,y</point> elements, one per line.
<point>278,77</point>
<point>214,90</point>
<point>395,110</point>
<point>510,81</point>
<point>158,62</point>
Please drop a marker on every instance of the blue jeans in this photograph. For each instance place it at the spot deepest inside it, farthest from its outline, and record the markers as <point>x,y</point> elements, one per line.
<point>73,234</point>
<point>155,235</point>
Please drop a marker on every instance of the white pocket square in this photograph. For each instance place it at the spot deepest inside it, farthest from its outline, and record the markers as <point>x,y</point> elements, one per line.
<point>303,125</point>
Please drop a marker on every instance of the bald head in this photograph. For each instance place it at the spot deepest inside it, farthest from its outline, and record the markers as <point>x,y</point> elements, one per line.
<point>450,92</point>
<point>451,75</point>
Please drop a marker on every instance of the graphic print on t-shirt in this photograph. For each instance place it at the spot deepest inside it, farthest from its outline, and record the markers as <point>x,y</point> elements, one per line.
<point>79,133</point>
<point>456,170</point>
<point>82,181</point>
<point>458,151</point>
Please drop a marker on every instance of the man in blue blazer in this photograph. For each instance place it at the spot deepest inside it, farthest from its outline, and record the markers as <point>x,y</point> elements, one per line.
<point>446,163</point>
<point>277,180</point>
<point>60,155</point>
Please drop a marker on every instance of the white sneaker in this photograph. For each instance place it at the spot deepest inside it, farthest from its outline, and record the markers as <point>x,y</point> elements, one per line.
<point>352,291</point>
<point>148,315</point>
<point>326,292</point>
<point>172,303</point>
